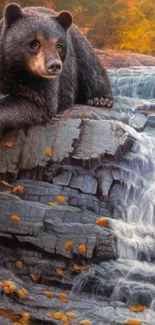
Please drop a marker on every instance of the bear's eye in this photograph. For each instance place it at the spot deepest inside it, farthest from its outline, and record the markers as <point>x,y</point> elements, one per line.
<point>34,45</point>
<point>59,47</point>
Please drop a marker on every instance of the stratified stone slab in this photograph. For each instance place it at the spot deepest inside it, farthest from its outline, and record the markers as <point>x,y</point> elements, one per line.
<point>67,139</point>
<point>99,138</point>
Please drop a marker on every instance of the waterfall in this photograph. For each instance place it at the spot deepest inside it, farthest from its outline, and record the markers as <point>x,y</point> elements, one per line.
<point>130,279</point>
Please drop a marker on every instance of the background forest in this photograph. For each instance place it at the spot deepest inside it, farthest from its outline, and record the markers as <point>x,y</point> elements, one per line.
<point>110,24</point>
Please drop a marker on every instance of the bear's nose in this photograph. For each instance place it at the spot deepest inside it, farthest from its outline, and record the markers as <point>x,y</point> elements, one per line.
<point>53,66</point>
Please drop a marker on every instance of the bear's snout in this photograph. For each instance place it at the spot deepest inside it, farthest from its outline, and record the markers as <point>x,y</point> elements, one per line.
<point>54,67</point>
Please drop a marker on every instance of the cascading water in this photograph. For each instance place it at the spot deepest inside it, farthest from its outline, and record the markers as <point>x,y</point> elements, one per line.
<point>136,82</point>
<point>131,279</point>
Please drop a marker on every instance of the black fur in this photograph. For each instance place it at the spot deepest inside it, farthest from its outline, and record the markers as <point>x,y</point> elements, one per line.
<point>31,97</point>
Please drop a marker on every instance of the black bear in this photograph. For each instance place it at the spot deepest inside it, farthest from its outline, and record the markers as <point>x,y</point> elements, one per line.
<point>46,65</point>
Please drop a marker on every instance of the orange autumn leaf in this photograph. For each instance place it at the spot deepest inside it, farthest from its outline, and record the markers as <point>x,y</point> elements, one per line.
<point>48,152</point>
<point>16,218</point>
<point>76,267</point>
<point>34,277</point>
<point>62,296</point>
<point>85,322</point>
<point>70,314</point>
<point>52,203</point>
<point>25,317</point>
<point>5,183</point>
<point>13,288</point>
<point>9,314</point>
<point>133,322</point>
<point>138,308</point>
<point>49,314</point>
<point>6,289</point>
<point>61,198</point>
<point>18,265</point>
<point>25,291</point>
<point>59,271</point>
<point>18,188</point>
<point>82,249</point>
<point>7,192</point>
<point>48,294</point>
<point>64,318</point>
<point>55,315</point>
<point>21,294</point>
<point>83,268</point>
<point>8,144</point>
<point>68,245</point>
<point>102,222</point>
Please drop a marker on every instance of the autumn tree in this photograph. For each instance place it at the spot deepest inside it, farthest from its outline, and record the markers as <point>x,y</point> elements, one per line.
<point>109,24</point>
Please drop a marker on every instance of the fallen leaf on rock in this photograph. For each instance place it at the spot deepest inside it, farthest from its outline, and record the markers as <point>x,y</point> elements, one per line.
<point>19,265</point>
<point>9,314</point>
<point>59,271</point>
<point>16,218</point>
<point>85,322</point>
<point>133,322</point>
<point>82,249</point>
<point>5,183</point>
<point>18,188</point>
<point>25,318</point>
<point>7,192</point>
<point>9,287</point>
<point>55,315</point>
<point>83,268</point>
<point>66,322</point>
<point>48,152</point>
<point>102,222</point>
<point>70,314</point>
<point>62,296</point>
<point>6,289</point>
<point>13,288</point>
<point>8,144</point>
<point>21,294</point>
<point>61,198</point>
<point>52,203</point>
<point>34,277</point>
<point>64,318</point>
<point>76,267</point>
<point>138,308</point>
<point>25,291</point>
<point>48,294</point>
<point>68,245</point>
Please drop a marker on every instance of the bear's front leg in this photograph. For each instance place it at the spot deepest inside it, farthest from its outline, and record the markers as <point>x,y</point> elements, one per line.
<point>101,102</point>
<point>19,112</point>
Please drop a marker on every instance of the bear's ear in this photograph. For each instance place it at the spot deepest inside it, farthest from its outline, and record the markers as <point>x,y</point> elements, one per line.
<point>65,19</point>
<point>12,12</point>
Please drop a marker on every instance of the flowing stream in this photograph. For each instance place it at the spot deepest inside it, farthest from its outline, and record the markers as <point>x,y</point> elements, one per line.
<point>131,279</point>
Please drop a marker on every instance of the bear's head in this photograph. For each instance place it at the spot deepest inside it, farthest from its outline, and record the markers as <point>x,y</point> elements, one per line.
<point>34,42</point>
